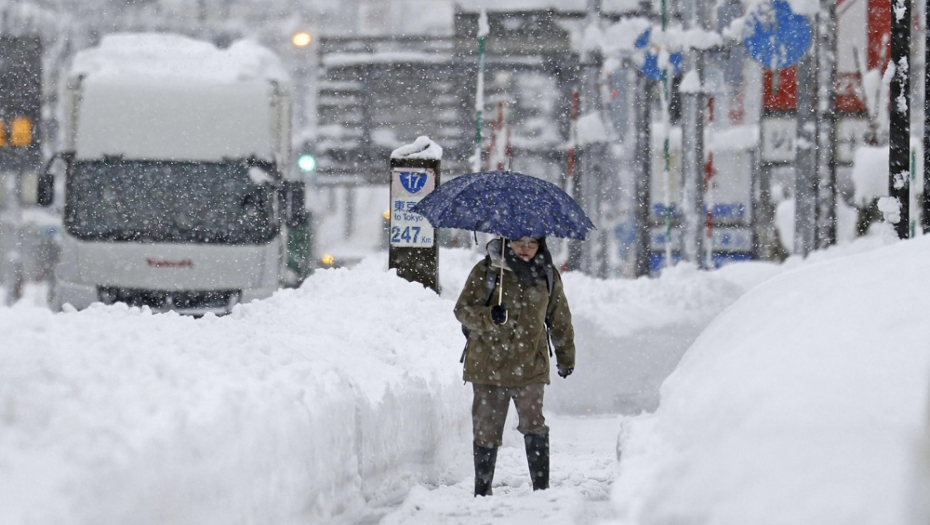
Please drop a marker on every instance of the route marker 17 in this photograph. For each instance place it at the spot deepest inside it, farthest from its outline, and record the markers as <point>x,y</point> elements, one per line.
<point>408,187</point>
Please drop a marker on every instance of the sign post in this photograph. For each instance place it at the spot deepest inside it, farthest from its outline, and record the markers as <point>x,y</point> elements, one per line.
<point>413,250</point>
<point>20,116</point>
<point>899,130</point>
<point>779,39</point>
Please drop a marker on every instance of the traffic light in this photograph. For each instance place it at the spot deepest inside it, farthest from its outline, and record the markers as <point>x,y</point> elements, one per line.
<point>21,132</point>
<point>306,162</point>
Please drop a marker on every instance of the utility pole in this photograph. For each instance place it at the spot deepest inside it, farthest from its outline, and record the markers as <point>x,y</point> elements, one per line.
<point>899,137</point>
<point>805,192</point>
<point>925,216</point>
<point>20,145</point>
<point>643,175</point>
<point>11,230</point>
<point>826,124</point>
<point>201,12</point>
<point>692,146</point>
<point>585,183</point>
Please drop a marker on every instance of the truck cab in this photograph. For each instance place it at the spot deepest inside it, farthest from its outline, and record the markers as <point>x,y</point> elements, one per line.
<point>176,194</point>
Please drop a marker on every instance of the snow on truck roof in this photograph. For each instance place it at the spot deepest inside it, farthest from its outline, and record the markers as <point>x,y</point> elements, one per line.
<point>162,96</point>
<point>154,55</point>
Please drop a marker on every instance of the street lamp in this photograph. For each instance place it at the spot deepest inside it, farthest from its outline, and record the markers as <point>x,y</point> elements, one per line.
<point>301,39</point>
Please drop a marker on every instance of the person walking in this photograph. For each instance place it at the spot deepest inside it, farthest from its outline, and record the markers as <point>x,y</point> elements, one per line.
<point>507,356</point>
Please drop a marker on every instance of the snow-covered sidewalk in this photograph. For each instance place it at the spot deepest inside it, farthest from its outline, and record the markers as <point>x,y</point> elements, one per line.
<point>330,400</point>
<point>583,467</point>
<point>342,401</point>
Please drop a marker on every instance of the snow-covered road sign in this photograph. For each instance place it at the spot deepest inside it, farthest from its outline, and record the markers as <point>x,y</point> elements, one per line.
<point>779,36</point>
<point>408,187</point>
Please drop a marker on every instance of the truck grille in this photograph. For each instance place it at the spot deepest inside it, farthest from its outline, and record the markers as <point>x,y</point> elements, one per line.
<point>217,301</point>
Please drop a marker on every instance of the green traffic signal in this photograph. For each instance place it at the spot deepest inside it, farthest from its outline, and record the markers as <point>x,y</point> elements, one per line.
<point>306,162</point>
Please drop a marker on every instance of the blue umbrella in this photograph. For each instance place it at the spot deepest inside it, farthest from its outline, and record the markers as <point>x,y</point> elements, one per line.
<point>505,203</point>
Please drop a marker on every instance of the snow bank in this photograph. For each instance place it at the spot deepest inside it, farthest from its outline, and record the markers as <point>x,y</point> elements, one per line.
<point>846,219</point>
<point>870,173</point>
<point>341,395</point>
<point>308,404</point>
<point>801,403</point>
<point>591,129</point>
<point>630,334</point>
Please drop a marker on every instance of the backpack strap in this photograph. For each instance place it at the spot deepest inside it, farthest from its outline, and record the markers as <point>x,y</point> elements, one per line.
<point>490,281</point>
<point>550,279</point>
<point>550,283</point>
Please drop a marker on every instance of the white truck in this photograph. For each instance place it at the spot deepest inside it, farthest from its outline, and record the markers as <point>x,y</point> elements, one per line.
<point>176,187</point>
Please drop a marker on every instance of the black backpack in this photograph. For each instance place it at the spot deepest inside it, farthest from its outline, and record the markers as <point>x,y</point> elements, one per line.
<point>490,282</point>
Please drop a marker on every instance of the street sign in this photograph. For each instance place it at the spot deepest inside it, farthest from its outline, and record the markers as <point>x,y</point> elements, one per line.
<point>650,66</point>
<point>408,187</point>
<point>779,36</point>
<point>779,139</point>
<point>412,247</point>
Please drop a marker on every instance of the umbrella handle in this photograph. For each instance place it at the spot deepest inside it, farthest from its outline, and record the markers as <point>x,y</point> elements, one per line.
<point>500,289</point>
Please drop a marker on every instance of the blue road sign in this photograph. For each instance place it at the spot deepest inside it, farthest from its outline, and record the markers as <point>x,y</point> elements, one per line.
<point>413,181</point>
<point>779,36</point>
<point>650,66</point>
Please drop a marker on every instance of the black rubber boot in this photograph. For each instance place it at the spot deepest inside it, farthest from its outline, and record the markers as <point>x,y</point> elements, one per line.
<point>537,456</point>
<point>485,458</point>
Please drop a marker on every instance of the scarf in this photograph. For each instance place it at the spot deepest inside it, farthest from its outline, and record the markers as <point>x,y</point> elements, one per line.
<point>532,271</point>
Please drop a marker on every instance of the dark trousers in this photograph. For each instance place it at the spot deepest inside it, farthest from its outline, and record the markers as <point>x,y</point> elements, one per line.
<point>489,412</point>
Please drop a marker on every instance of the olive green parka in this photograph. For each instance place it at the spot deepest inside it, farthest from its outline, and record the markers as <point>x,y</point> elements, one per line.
<point>515,353</point>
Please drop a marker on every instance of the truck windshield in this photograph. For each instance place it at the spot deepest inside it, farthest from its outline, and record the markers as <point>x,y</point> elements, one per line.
<point>177,202</point>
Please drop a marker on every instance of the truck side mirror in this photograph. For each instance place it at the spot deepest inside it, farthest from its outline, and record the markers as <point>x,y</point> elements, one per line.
<point>294,203</point>
<point>45,188</point>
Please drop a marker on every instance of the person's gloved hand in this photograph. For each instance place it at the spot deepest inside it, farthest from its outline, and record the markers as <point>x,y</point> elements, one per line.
<point>499,314</point>
<point>565,371</point>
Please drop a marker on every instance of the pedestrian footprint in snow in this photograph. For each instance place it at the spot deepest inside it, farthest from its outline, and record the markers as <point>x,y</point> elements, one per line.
<point>512,304</point>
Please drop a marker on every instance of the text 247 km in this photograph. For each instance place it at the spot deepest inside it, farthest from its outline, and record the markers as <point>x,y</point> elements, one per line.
<point>409,234</point>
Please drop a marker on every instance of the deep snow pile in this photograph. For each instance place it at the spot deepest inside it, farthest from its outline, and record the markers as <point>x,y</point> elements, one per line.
<point>630,334</point>
<point>342,395</point>
<point>802,403</point>
<point>299,406</point>
<point>326,399</point>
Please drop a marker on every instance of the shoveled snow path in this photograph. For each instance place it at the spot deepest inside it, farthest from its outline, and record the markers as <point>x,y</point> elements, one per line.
<point>583,465</point>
